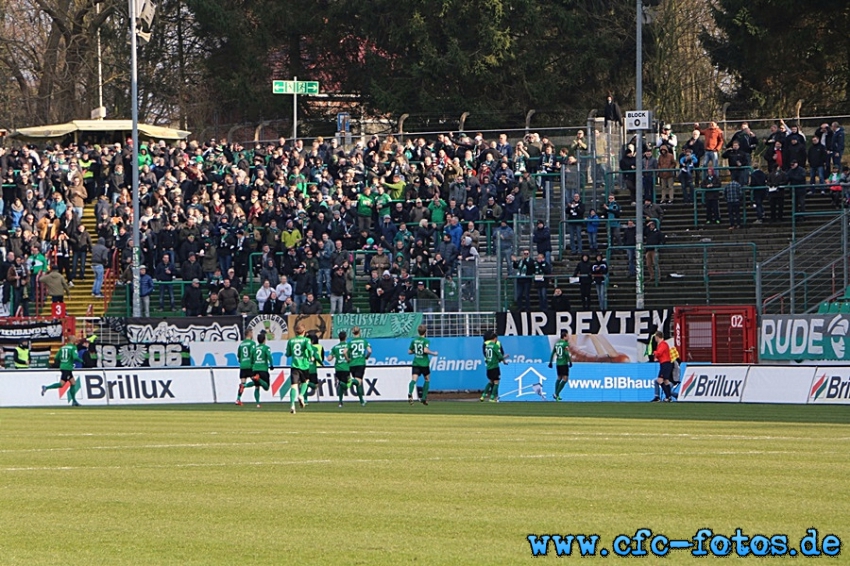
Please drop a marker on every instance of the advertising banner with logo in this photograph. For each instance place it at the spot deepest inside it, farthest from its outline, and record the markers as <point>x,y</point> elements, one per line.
<point>458,366</point>
<point>831,385</point>
<point>380,384</point>
<point>22,388</point>
<point>135,386</point>
<point>587,382</point>
<point>767,384</point>
<point>550,323</point>
<point>713,384</point>
<point>595,336</point>
<point>805,337</point>
<point>390,325</point>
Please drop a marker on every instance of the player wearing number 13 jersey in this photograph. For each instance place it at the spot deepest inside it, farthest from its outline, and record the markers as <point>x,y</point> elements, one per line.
<point>421,364</point>
<point>299,350</point>
<point>359,351</point>
<point>561,354</point>
<point>493,356</point>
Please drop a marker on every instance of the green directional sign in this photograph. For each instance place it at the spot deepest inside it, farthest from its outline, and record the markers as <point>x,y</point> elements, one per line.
<point>295,87</point>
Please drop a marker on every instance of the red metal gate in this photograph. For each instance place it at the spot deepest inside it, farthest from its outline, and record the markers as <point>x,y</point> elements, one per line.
<point>720,335</point>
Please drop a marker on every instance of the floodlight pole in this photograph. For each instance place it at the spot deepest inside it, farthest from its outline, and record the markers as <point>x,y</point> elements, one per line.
<point>134,93</point>
<point>639,257</point>
<point>294,110</point>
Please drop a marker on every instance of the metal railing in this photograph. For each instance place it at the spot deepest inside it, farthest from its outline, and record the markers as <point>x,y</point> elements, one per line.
<point>807,272</point>
<point>449,324</point>
<point>711,264</point>
<point>612,178</point>
<point>565,224</point>
<point>458,291</point>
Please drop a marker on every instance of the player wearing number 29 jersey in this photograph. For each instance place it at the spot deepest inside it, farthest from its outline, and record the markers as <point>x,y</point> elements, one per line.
<point>359,351</point>
<point>421,364</point>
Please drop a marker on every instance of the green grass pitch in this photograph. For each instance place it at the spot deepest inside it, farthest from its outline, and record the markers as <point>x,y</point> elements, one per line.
<point>451,483</point>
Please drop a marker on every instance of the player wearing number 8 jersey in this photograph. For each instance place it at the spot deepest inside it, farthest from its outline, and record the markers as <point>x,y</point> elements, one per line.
<point>245,353</point>
<point>300,352</point>
<point>561,354</point>
<point>359,351</point>
<point>65,358</point>
<point>421,364</point>
<point>493,356</point>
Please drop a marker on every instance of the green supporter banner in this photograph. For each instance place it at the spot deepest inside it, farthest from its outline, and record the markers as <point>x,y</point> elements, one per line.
<point>389,325</point>
<point>805,337</point>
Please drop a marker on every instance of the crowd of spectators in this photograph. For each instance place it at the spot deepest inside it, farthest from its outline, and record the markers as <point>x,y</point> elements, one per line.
<point>303,221</point>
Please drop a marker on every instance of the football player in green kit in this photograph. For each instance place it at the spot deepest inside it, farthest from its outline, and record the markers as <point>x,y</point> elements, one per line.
<point>261,366</point>
<point>359,351</point>
<point>318,359</point>
<point>563,361</point>
<point>339,357</point>
<point>493,356</point>
<point>421,364</point>
<point>245,353</point>
<point>65,358</point>
<point>299,350</point>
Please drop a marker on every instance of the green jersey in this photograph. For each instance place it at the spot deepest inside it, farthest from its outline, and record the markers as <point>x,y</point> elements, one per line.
<point>66,356</point>
<point>340,355</point>
<point>561,353</point>
<point>357,352</point>
<point>364,205</point>
<point>299,350</point>
<point>493,354</point>
<point>438,211</point>
<point>418,347</point>
<point>245,352</point>
<point>318,357</point>
<point>262,358</point>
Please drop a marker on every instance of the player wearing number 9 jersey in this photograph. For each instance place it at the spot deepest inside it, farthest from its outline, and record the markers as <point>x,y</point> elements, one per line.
<point>245,353</point>
<point>421,364</point>
<point>65,358</point>
<point>561,354</point>
<point>493,356</point>
<point>359,351</point>
<point>300,353</point>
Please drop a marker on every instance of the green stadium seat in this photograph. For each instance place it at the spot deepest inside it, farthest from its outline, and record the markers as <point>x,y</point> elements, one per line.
<point>823,308</point>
